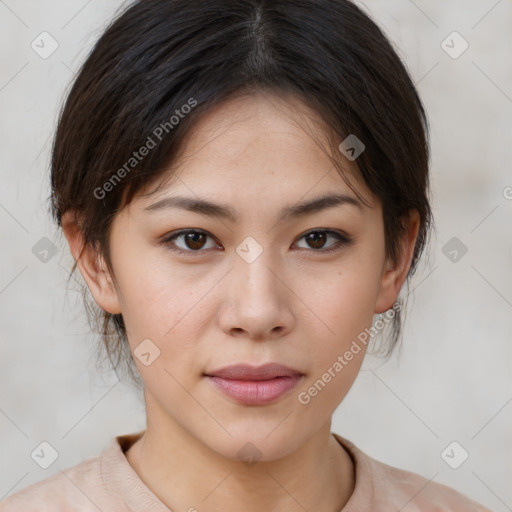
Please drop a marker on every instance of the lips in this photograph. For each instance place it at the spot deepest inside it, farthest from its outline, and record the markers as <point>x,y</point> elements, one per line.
<point>246,372</point>
<point>255,385</point>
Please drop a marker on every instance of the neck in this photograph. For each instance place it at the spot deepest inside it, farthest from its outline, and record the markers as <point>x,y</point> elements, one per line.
<point>186,474</point>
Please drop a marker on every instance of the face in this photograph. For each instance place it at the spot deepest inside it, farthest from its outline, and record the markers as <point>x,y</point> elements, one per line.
<point>201,290</point>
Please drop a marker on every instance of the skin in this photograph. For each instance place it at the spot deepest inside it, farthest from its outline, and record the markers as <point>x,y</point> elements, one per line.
<point>293,305</point>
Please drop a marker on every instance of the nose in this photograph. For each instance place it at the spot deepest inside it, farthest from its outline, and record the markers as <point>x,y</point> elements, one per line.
<point>257,302</point>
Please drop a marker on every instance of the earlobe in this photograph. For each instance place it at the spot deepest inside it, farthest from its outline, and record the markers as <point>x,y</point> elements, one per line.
<point>91,264</point>
<point>395,273</point>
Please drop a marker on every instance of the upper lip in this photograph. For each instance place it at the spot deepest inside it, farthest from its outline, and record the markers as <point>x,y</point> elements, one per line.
<point>248,372</point>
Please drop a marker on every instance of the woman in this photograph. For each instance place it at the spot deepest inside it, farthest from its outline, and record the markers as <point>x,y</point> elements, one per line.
<point>244,187</point>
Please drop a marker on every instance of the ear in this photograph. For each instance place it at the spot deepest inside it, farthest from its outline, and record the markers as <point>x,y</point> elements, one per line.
<point>395,273</point>
<point>91,264</point>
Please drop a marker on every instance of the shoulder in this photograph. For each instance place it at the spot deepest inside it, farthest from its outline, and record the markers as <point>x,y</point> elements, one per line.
<point>62,491</point>
<point>414,492</point>
<point>79,488</point>
<point>386,488</point>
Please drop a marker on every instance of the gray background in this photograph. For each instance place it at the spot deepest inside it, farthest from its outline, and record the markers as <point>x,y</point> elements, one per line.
<point>451,381</point>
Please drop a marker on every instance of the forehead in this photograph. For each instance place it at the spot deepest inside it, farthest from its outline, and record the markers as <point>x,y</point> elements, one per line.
<point>258,146</point>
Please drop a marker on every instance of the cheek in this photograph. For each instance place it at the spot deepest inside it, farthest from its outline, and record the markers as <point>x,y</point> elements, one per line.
<point>165,304</point>
<point>344,298</point>
<point>346,310</point>
<point>151,297</point>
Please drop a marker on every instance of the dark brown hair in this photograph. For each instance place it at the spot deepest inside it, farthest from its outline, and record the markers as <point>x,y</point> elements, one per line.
<point>161,64</point>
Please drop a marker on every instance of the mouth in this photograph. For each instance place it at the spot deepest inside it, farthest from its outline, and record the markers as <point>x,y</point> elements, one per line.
<point>251,385</point>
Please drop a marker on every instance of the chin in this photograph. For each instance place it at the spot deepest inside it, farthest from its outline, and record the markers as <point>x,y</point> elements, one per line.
<point>251,443</point>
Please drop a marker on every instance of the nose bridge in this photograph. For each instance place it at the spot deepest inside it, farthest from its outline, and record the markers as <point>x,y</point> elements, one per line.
<point>254,268</point>
<point>257,302</point>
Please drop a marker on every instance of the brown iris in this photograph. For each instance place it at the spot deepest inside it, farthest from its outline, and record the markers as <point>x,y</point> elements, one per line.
<point>194,240</point>
<point>316,239</point>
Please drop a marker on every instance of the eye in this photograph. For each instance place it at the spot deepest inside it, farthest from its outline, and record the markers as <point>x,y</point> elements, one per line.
<point>192,240</point>
<point>316,240</point>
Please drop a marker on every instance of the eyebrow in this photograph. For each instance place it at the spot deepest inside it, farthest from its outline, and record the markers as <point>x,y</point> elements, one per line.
<point>212,209</point>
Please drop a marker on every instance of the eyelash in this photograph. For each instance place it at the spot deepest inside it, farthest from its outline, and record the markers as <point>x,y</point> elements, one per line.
<point>343,240</point>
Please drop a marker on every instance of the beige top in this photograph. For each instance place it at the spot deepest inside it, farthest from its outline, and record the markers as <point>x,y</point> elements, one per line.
<point>108,483</point>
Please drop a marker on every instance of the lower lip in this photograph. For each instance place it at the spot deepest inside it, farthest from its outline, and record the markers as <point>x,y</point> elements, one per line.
<point>256,392</point>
